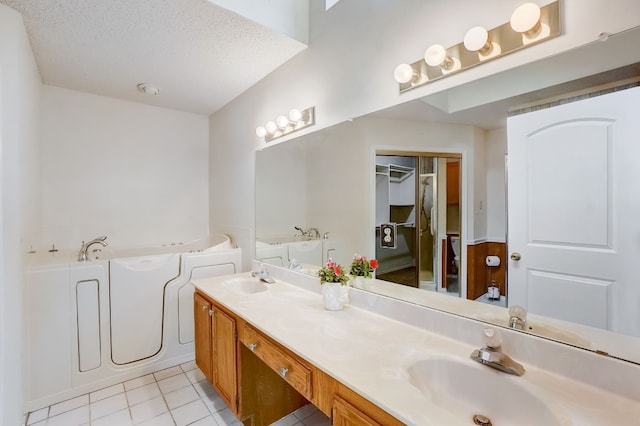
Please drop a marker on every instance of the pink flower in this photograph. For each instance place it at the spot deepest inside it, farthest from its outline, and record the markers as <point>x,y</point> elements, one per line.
<point>331,264</point>
<point>373,263</point>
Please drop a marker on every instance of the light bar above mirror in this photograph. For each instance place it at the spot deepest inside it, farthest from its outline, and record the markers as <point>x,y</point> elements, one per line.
<point>528,26</point>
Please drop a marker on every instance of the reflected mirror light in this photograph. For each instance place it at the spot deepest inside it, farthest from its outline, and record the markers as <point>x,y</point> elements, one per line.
<point>403,73</point>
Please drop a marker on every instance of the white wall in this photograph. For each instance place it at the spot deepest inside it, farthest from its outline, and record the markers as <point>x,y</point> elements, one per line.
<point>496,147</point>
<point>282,192</point>
<point>133,172</point>
<point>19,131</point>
<point>347,72</point>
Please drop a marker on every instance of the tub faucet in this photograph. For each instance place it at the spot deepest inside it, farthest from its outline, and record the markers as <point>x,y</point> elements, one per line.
<point>263,274</point>
<point>82,254</point>
<point>313,233</point>
<point>303,233</point>
<point>493,356</point>
<point>308,233</point>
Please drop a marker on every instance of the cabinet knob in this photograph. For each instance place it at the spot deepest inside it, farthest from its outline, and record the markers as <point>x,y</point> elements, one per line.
<point>283,371</point>
<point>204,307</point>
<point>253,346</point>
<point>210,312</point>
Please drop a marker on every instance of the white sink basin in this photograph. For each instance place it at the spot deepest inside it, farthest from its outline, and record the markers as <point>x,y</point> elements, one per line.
<point>245,285</point>
<point>466,389</point>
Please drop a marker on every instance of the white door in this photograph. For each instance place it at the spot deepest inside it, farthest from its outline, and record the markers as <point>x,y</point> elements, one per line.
<point>574,211</point>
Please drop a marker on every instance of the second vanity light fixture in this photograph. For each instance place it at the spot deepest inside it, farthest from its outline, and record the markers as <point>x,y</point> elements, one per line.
<point>285,124</point>
<point>529,24</point>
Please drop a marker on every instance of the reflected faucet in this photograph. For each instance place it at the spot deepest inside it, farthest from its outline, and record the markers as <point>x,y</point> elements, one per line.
<point>309,233</point>
<point>303,233</point>
<point>294,265</point>
<point>263,274</point>
<point>493,356</point>
<point>517,317</point>
<point>82,254</point>
<point>313,233</point>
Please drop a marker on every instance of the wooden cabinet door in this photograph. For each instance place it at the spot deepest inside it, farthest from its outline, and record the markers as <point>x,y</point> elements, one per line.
<point>202,329</point>
<point>345,414</point>
<point>224,357</point>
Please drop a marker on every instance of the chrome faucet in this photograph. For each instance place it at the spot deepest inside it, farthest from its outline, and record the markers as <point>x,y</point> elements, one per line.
<point>263,274</point>
<point>313,233</point>
<point>82,254</point>
<point>493,356</point>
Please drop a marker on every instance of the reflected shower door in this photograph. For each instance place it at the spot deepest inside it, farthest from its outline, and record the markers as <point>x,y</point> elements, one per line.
<point>428,223</point>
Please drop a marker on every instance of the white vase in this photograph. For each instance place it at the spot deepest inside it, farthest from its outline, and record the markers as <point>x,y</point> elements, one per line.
<point>361,282</point>
<point>334,296</point>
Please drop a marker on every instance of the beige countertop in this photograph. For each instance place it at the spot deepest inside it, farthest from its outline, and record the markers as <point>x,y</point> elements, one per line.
<point>372,354</point>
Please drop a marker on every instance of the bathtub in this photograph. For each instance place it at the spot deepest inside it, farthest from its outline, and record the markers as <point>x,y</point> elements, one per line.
<point>125,313</point>
<point>281,251</point>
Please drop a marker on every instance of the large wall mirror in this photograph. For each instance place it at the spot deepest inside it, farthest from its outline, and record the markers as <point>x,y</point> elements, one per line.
<point>316,194</point>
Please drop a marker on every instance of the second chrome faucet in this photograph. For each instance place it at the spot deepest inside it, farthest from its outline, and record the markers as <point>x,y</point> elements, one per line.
<point>491,355</point>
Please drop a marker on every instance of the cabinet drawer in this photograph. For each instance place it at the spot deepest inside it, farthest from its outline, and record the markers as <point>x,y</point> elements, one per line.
<point>288,367</point>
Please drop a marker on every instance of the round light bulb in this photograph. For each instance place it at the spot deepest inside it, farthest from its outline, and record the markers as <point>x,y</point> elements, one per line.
<point>476,39</point>
<point>261,132</point>
<point>271,127</point>
<point>295,115</point>
<point>525,18</point>
<point>282,121</point>
<point>403,73</point>
<point>435,55</point>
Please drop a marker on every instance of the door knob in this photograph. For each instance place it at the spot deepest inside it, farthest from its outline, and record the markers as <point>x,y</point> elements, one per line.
<point>515,256</point>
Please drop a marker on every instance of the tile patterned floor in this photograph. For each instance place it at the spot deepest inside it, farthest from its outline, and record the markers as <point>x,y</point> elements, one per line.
<point>176,396</point>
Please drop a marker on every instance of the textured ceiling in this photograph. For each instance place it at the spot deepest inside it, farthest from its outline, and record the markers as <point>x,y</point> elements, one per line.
<point>199,55</point>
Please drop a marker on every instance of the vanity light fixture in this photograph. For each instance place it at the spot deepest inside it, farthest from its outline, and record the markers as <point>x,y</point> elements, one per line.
<point>282,121</point>
<point>477,40</point>
<point>436,56</point>
<point>404,73</point>
<point>529,25</point>
<point>271,127</point>
<point>285,124</point>
<point>526,20</point>
<point>295,115</point>
<point>261,131</point>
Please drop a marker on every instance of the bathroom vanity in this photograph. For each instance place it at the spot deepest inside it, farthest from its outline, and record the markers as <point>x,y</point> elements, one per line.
<point>261,380</point>
<point>271,348</point>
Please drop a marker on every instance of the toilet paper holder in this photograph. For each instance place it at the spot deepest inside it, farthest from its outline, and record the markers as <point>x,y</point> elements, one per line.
<point>492,261</point>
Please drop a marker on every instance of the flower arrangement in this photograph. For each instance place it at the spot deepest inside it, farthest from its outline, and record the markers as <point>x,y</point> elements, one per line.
<point>333,273</point>
<point>361,267</point>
